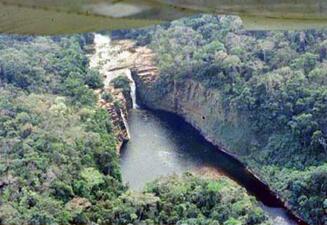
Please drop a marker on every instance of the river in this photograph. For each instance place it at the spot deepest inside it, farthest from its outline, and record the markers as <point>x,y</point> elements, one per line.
<point>164,144</point>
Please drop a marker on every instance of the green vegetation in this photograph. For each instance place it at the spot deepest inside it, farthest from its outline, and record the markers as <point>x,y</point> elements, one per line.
<point>43,65</point>
<point>274,81</point>
<point>189,200</point>
<point>122,82</point>
<point>58,160</point>
<point>107,97</point>
<point>56,146</point>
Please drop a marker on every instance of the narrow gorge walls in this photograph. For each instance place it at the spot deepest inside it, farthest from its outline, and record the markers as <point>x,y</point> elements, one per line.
<point>110,60</point>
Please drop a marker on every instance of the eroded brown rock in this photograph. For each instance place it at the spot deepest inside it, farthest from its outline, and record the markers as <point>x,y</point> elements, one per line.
<point>78,204</point>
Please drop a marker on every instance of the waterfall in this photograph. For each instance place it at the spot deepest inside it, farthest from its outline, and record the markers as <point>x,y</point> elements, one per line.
<point>133,89</point>
<point>125,123</point>
<point>110,60</point>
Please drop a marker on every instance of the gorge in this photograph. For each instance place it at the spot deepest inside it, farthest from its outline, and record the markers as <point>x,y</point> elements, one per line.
<point>163,144</point>
<point>196,122</point>
<point>259,96</point>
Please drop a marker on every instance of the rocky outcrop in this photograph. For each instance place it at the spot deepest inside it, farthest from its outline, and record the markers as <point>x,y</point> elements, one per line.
<point>78,204</point>
<point>199,106</point>
<point>117,108</point>
<point>113,59</point>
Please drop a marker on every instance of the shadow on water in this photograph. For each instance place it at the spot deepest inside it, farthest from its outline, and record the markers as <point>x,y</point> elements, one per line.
<point>164,144</point>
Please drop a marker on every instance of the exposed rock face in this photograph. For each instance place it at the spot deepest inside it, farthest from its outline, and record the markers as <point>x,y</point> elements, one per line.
<point>199,106</point>
<point>78,204</point>
<point>113,59</point>
<point>118,111</point>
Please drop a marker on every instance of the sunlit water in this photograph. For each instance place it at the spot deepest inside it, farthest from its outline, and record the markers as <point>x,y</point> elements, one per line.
<point>163,144</point>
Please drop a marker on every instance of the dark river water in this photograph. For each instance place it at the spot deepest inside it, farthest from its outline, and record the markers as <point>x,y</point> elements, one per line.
<point>163,144</point>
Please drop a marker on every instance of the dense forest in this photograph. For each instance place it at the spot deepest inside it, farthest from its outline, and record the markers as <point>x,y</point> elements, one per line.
<point>58,160</point>
<point>274,81</point>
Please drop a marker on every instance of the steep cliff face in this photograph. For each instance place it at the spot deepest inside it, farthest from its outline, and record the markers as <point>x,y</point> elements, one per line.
<point>118,110</point>
<point>199,106</point>
<point>113,59</point>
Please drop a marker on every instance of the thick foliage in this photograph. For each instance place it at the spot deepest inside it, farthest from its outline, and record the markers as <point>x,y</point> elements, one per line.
<point>57,66</point>
<point>58,154</point>
<point>188,200</point>
<point>58,161</point>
